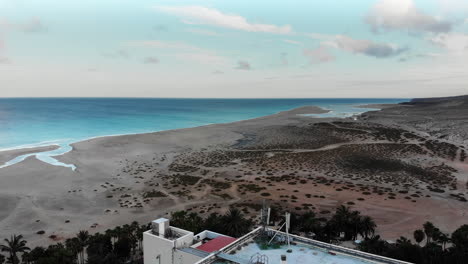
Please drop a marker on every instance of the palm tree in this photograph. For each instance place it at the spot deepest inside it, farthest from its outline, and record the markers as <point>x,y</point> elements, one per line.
<point>235,224</point>
<point>419,235</point>
<point>14,245</point>
<point>460,238</point>
<point>83,237</point>
<point>429,230</point>
<point>111,234</point>
<point>2,259</point>
<point>341,221</point>
<point>367,227</point>
<point>74,246</point>
<point>309,223</point>
<point>441,238</point>
<point>34,255</point>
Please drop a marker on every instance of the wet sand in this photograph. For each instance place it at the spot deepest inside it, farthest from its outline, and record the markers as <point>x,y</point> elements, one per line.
<point>8,155</point>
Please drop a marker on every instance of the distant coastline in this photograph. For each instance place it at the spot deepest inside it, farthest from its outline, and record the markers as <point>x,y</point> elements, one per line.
<point>116,173</point>
<point>324,108</point>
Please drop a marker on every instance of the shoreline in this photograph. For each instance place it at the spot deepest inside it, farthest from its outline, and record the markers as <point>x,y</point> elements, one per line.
<point>306,111</point>
<point>11,154</point>
<point>377,106</point>
<point>36,195</point>
<point>17,152</point>
<point>114,174</point>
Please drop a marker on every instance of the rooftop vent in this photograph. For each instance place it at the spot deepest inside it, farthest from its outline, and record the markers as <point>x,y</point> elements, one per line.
<point>159,226</point>
<point>258,259</point>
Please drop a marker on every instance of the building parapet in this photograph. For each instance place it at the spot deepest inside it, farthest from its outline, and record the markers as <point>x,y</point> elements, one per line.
<point>340,249</point>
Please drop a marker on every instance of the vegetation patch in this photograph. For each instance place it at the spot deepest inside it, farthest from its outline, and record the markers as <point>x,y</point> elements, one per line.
<point>154,194</point>
<point>251,188</point>
<point>217,184</point>
<point>185,179</point>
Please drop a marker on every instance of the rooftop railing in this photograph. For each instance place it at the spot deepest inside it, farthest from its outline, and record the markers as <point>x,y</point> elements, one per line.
<point>338,249</point>
<point>344,250</point>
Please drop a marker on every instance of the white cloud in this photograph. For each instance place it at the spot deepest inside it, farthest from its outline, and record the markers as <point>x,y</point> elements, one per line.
<point>151,60</point>
<point>284,59</point>
<point>243,65</point>
<point>290,41</point>
<point>202,58</point>
<point>367,47</point>
<point>209,16</point>
<point>119,54</point>
<point>4,60</point>
<point>361,46</point>
<point>183,51</point>
<point>452,42</point>
<point>163,44</point>
<point>450,6</point>
<point>404,15</point>
<point>318,55</point>
<point>32,26</point>
<point>200,31</point>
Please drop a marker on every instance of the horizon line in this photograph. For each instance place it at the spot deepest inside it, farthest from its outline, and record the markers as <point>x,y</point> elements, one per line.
<point>138,97</point>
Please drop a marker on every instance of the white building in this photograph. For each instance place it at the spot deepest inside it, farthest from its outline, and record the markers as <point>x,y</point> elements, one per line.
<point>165,244</point>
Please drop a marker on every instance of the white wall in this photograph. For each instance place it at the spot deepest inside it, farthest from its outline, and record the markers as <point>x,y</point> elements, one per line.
<point>181,257</point>
<point>154,246</point>
<point>159,250</point>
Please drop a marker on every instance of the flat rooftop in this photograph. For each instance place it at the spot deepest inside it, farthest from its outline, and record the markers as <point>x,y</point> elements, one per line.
<point>301,253</point>
<point>247,250</point>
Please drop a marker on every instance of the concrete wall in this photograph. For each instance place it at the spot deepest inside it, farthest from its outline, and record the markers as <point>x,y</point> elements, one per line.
<point>158,250</point>
<point>186,240</point>
<point>181,257</point>
<point>207,234</point>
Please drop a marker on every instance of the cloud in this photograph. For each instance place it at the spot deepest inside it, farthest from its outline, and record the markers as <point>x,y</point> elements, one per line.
<point>318,55</point>
<point>243,65</point>
<point>184,51</point>
<point>202,58</point>
<point>452,42</point>
<point>360,46</point>
<point>204,32</point>
<point>209,16</point>
<point>4,60</point>
<point>404,15</point>
<point>367,47</point>
<point>34,25</point>
<point>119,54</point>
<point>151,60</point>
<point>164,45</point>
<point>452,6</point>
<point>292,41</point>
<point>284,59</point>
<point>218,72</point>
<point>160,28</point>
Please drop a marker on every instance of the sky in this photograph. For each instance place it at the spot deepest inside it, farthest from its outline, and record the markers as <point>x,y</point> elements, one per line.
<point>240,49</point>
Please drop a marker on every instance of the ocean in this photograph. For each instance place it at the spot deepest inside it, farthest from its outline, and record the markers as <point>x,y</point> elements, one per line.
<point>29,122</point>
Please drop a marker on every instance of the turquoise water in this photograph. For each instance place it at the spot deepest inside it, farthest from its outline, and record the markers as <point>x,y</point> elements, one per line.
<point>27,122</point>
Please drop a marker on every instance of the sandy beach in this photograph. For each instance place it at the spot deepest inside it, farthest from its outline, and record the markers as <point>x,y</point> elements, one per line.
<point>298,162</point>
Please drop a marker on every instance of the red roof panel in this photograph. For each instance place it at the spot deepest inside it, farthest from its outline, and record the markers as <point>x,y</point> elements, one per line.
<point>216,244</point>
